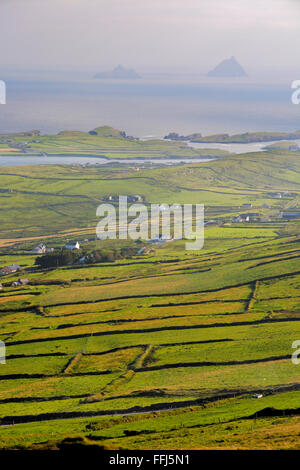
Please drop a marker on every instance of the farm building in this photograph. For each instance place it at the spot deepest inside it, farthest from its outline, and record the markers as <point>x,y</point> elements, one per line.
<point>135,198</point>
<point>39,249</point>
<point>246,217</point>
<point>13,268</point>
<point>241,218</point>
<point>20,282</point>
<point>72,246</point>
<point>253,215</point>
<point>276,195</point>
<point>144,251</point>
<point>290,215</point>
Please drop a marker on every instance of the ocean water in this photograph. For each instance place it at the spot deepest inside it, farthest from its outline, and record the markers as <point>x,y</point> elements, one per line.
<point>19,160</point>
<point>149,108</point>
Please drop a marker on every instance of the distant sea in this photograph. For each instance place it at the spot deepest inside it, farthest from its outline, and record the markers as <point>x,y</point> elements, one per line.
<point>149,108</point>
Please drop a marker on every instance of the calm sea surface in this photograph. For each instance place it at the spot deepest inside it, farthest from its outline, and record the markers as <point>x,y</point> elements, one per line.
<point>149,108</point>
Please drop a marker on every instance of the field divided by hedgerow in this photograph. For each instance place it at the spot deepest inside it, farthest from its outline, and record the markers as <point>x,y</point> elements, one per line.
<point>168,346</point>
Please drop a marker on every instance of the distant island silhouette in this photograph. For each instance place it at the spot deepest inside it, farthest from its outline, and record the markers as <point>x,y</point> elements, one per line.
<point>228,68</point>
<point>119,72</point>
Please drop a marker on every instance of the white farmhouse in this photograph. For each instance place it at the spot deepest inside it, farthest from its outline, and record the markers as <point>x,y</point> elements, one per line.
<point>39,249</point>
<point>72,246</point>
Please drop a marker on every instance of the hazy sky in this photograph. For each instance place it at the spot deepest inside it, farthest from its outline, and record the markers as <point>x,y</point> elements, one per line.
<point>149,34</point>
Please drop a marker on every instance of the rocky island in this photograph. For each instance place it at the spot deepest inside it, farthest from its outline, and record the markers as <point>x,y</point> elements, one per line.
<point>118,72</point>
<point>228,68</point>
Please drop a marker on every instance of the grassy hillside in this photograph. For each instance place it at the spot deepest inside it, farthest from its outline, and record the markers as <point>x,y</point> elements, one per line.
<point>167,347</point>
<point>103,142</point>
<point>42,201</point>
<point>244,138</point>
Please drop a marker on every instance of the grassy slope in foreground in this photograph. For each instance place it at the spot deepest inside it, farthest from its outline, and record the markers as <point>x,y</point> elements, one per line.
<point>175,349</point>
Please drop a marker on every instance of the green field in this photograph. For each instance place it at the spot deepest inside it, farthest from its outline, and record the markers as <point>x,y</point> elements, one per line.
<point>102,142</point>
<point>238,138</point>
<point>164,349</point>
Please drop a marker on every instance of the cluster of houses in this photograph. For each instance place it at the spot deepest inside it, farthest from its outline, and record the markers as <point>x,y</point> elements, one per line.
<point>72,246</point>
<point>281,195</point>
<point>252,216</point>
<point>247,217</point>
<point>10,269</point>
<point>41,249</point>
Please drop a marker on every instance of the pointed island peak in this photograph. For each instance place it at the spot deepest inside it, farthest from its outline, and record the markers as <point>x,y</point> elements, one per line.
<point>228,68</point>
<point>118,72</point>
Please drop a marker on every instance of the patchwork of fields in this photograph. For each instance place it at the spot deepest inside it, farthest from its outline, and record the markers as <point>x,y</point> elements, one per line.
<point>166,349</point>
<point>103,141</point>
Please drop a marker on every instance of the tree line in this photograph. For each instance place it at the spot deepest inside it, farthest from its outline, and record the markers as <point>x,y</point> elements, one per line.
<point>65,257</point>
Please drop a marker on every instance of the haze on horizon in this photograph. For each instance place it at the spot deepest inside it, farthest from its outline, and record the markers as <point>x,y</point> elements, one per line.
<point>161,35</point>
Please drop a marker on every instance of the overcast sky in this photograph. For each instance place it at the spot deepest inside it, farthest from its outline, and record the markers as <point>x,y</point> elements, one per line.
<point>149,34</point>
